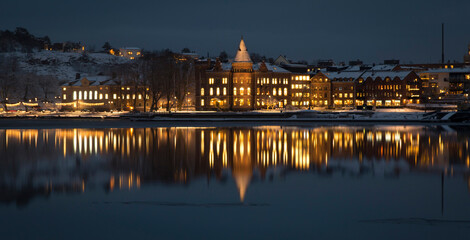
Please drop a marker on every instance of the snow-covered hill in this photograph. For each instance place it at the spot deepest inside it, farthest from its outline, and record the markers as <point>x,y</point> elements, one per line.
<point>65,65</point>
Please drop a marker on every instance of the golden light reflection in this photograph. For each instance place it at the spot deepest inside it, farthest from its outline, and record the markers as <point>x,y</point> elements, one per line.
<point>134,156</point>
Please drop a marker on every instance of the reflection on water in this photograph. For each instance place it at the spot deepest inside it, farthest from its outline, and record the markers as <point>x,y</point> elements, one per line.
<point>42,162</point>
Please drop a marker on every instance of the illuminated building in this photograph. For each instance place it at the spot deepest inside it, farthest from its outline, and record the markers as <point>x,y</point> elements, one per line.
<point>130,52</point>
<point>242,85</point>
<point>102,93</point>
<point>381,89</point>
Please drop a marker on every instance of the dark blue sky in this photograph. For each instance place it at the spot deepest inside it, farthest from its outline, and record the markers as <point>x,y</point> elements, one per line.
<point>370,30</point>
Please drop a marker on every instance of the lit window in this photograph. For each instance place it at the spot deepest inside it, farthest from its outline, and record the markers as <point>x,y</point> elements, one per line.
<point>85,96</point>
<point>225,91</point>
<point>211,80</point>
<point>248,91</point>
<point>202,102</point>
<point>91,95</point>
<point>279,91</point>
<point>140,96</point>
<point>224,81</point>
<point>202,91</point>
<point>211,91</point>
<point>128,96</point>
<point>217,91</point>
<point>101,96</point>
<point>285,91</point>
<point>242,91</point>
<point>96,95</point>
<point>114,96</point>
<point>106,96</point>
<point>74,95</point>
<point>234,91</point>
<point>64,97</point>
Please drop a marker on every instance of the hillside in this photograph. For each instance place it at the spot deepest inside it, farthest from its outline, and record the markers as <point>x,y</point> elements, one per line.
<point>65,65</point>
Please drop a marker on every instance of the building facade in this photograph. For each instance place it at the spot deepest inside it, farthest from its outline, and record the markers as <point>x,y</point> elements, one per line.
<point>241,85</point>
<point>102,93</point>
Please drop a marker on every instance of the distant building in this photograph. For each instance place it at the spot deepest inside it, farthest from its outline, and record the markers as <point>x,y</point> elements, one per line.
<point>130,52</point>
<point>102,93</point>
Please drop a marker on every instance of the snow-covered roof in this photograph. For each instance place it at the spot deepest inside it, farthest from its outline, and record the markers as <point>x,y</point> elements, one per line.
<point>242,53</point>
<point>130,48</point>
<point>339,75</point>
<point>383,67</point>
<point>355,68</point>
<point>271,67</point>
<point>384,75</point>
<point>449,70</point>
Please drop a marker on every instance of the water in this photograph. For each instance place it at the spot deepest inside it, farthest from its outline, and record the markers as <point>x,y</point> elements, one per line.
<point>330,182</point>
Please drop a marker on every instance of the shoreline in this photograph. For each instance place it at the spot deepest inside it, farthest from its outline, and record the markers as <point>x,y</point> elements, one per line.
<point>97,123</point>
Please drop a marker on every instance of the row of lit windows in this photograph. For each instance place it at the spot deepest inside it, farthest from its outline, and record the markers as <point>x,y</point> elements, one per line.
<point>300,103</point>
<point>212,81</point>
<point>263,81</point>
<point>217,91</point>
<point>299,94</point>
<point>94,95</point>
<point>340,95</point>
<point>87,95</point>
<point>301,78</point>
<point>300,86</point>
<point>279,92</point>
<point>262,103</point>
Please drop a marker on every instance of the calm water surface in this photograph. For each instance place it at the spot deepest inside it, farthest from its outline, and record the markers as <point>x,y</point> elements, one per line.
<point>332,182</point>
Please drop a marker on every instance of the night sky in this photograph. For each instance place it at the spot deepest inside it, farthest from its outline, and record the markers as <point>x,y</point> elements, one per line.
<point>342,30</point>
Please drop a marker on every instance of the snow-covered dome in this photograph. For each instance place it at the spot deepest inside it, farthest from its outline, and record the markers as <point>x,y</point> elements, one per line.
<point>242,54</point>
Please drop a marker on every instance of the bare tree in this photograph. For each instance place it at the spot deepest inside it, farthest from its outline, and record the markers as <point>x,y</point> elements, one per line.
<point>8,74</point>
<point>48,85</point>
<point>184,76</point>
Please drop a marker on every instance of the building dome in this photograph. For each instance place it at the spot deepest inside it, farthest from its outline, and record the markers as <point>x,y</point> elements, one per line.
<point>242,54</point>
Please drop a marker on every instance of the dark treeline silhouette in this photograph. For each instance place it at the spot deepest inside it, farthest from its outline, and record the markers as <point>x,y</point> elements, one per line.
<point>21,40</point>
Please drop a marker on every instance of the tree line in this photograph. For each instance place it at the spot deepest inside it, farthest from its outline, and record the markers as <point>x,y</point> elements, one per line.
<point>160,77</point>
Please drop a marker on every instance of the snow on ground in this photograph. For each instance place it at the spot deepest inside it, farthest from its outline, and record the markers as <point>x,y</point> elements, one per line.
<point>64,65</point>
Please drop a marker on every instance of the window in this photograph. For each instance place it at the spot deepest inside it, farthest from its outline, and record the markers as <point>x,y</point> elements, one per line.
<point>224,81</point>
<point>85,95</point>
<point>64,97</point>
<point>211,80</point>
<point>279,91</point>
<point>234,91</point>
<point>242,91</point>
<point>225,91</point>
<point>202,102</point>
<point>248,91</point>
<point>285,91</point>
<point>140,96</point>
<point>96,95</point>
<point>106,96</point>
<point>74,95</point>
<point>218,91</point>
<point>211,91</point>
<point>202,91</point>
<point>114,96</point>
<point>91,95</point>
<point>274,92</point>
<point>128,96</point>
<point>101,96</point>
